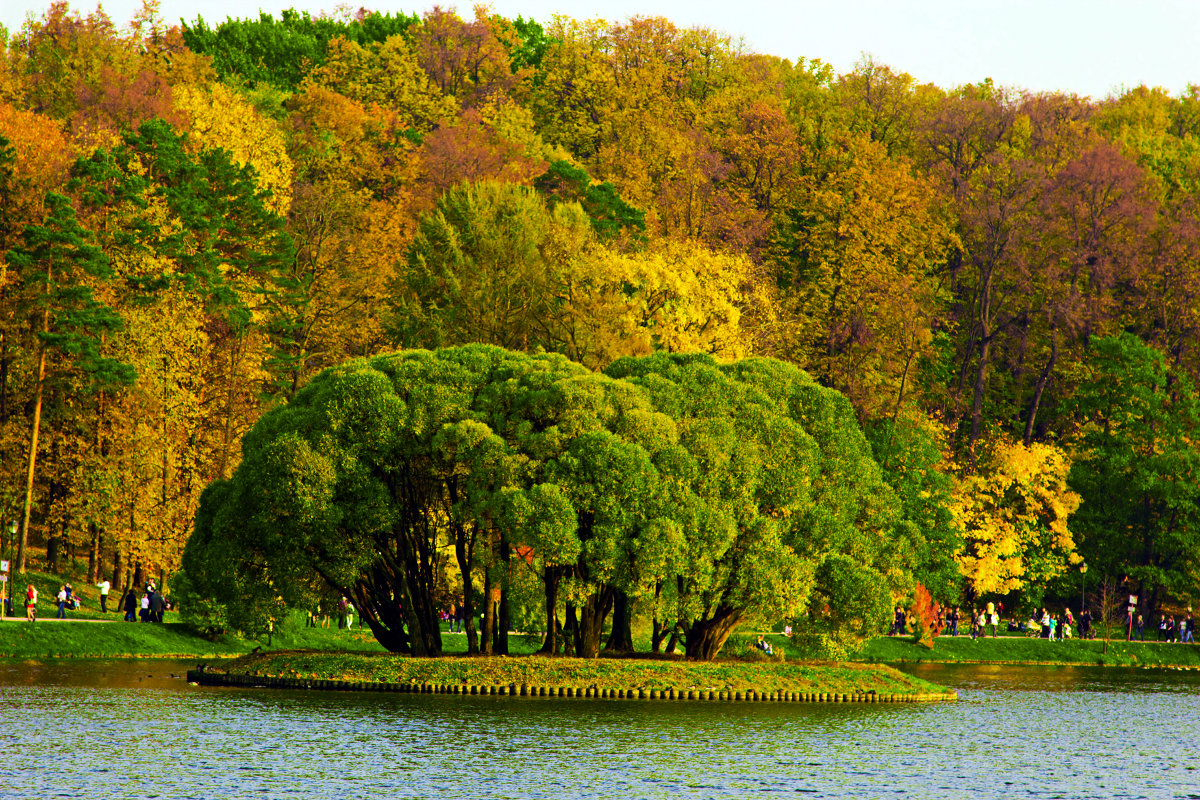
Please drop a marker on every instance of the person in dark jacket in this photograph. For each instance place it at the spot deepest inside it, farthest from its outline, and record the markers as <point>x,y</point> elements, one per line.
<point>157,604</point>
<point>130,605</point>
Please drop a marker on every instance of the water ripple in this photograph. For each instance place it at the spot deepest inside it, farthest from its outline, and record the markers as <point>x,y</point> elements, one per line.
<point>1046,735</point>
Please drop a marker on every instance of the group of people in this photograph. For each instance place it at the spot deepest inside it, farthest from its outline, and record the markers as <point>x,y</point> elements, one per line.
<point>146,605</point>
<point>456,616</point>
<point>1044,624</point>
<point>986,620</point>
<point>1057,628</point>
<point>67,599</point>
<point>345,615</point>
<point>1169,629</point>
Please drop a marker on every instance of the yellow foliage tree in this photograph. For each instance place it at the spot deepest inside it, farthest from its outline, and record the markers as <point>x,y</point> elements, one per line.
<point>860,251</point>
<point>220,117</point>
<point>386,75</point>
<point>674,296</point>
<point>1014,514</point>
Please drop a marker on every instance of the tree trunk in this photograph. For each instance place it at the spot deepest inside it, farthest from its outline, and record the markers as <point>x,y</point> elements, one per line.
<point>424,626</point>
<point>503,621</point>
<point>118,571</point>
<point>620,639</point>
<point>1040,388</point>
<point>464,551</point>
<point>93,572</point>
<point>673,639</point>
<point>54,550</point>
<point>657,629</point>
<point>571,629</point>
<point>658,632</point>
<point>489,613</point>
<point>387,622</point>
<point>706,637</point>
<point>977,398</point>
<point>591,622</point>
<point>23,542</point>
<point>552,577</point>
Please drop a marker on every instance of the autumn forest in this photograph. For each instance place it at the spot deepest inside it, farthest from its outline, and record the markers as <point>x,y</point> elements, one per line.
<point>197,219</point>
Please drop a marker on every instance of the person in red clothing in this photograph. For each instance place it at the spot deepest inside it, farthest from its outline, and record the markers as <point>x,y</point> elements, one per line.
<point>30,603</point>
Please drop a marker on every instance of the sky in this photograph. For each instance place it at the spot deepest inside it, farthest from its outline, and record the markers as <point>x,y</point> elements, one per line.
<point>1088,47</point>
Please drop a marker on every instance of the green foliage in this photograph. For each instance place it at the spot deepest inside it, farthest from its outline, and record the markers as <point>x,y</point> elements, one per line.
<point>222,243</point>
<point>57,267</point>
<point>913,465</point>
<point>281,53</point>
<point>854,602</point>
<point>608,211</point>
<point>533,44</point>
<point>1137,470</point>
<point>932,254</point>
<point>782,479</point>
<point>485,267</point>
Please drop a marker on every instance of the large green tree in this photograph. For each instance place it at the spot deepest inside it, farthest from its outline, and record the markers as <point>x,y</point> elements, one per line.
<point>694,484</point>
<point>1138,470</point>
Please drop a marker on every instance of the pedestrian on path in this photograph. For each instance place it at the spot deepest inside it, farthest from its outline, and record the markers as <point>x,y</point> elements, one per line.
<point>31,603</point>
<point>103,586</point>
<point>62,602</point>
<point>130,606</point>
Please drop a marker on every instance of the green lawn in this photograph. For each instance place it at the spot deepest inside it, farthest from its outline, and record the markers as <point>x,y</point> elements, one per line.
<point>896,649</point>
<point>83,639</point>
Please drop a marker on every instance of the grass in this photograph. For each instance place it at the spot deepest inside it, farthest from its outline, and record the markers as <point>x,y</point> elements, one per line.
<point>602,673</point>
<point>20,639</point>
<point>1020,649</point>
<point>115,639</point>
<point>47,586</point>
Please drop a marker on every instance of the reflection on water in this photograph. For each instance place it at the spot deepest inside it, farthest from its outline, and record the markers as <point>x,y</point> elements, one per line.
<point>128,729</point>
<point>1123,680</point>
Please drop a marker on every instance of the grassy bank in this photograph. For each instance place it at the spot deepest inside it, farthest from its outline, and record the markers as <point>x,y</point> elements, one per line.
<point>109,640</point>
<point>1019,649</point>
<point>20,639</point>
<point>602,673</point>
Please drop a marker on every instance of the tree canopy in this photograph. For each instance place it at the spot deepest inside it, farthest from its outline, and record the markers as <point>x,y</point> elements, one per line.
<point>711,491</point>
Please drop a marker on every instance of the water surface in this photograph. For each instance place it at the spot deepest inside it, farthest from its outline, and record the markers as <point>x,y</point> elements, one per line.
<point>131,729</point>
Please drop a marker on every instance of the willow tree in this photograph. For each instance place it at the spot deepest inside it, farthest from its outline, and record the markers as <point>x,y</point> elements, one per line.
<point>694,476</point>
<point>782,480</point>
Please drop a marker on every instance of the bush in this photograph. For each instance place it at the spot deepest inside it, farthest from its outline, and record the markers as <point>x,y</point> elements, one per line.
<point>822,646</point>
<point>203,615</point>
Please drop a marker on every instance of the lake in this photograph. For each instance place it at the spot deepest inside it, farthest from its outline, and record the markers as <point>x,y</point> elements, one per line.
<point>136,729</point>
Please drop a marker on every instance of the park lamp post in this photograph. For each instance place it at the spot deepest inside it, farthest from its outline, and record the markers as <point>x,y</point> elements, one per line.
<point>5,589</point>
<point>1082,586</point>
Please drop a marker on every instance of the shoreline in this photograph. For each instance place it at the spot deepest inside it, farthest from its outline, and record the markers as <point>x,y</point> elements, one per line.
<point>1019,650</point>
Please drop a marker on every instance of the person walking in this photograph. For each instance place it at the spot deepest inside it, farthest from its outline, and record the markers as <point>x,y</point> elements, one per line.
<point>130,606</point>
<point>62,602</point>
<point>31,603</point>
<point>1187,625</point>
<point>157,605</point>
<point>104,586</point>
